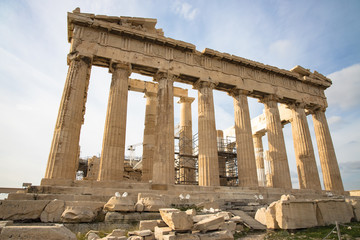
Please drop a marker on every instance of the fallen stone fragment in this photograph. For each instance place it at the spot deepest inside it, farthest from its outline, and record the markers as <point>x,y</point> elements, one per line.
<point>150,202</point>
<point>260,215</point>
<point>356,208</point>
<point>296,214</point>
<point>176,219</point>
<point>198,218</point>
<point>92,236</point>
<point>270,215</point>
<point>141,233</point>
<point>160,232</point>
<point>114,217</point>
<point>236,219</point>
<point>287,197</point>
<point>81,211</point>
<point>56,232</point>
<point>248,221</point>
<point>119,204</point>
<point>148,224</point>
<point>22,209</point>
<point>182,237</point>
<point>227,215</point>
<point>208,224</point>
<point>76,214</point>
<point>53,211</point>
<point>114,238</point>
<point>135,238</point>
<point>220,235</point>
<point>331,210</point>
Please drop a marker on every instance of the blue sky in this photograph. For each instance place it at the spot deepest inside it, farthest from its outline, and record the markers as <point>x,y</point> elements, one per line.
<point>321,35</point>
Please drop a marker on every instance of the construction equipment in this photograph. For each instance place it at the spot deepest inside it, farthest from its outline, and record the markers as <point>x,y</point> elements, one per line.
<point>131,149</point>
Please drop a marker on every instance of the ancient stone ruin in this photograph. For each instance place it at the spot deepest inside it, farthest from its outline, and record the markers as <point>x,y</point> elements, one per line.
<point>105,198</point>
<point>126,45</point>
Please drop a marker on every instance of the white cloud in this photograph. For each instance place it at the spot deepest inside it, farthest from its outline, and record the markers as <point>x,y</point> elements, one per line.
<point>185,10</point>
<point>334,120</point>
<point>344,93</point>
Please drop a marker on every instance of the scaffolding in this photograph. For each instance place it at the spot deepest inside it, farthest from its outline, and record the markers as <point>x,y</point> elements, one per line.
<point>186,160</point>
<point>228,171</point>
<point>186,154</point>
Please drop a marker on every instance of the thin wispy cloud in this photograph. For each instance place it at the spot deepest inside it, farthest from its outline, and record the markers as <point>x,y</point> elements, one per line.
<point>185,10</point>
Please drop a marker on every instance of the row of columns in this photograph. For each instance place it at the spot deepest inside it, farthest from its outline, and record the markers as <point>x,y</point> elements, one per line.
<point>158,155</point>
<point>279,173</point>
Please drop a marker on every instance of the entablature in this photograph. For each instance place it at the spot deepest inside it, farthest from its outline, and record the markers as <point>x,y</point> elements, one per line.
<point>135,40</point>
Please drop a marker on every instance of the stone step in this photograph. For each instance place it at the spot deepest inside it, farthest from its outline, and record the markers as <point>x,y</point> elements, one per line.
<point>248,220</point>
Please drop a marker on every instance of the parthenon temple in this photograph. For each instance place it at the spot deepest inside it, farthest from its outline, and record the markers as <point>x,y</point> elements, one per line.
<point>128,45</point>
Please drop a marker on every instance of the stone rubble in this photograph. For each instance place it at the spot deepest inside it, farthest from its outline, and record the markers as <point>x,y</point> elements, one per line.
<point>56,232</point>
<point>291,213</point>
<point>149,202</point>
<point>176,219</point>
<point>22,209</point>
<point>53,211</point>
<point>119,204</point>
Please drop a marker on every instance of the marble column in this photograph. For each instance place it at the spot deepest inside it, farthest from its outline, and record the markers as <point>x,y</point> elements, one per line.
<point>113,149</point>
<point>259,157</point>
<point>149,137</point>
<point>244,143</point>
<point>269,166</point>
<point>208,154</point>
<point>63,158</point>
<point>187,163</point>
<point>304,153</point>
<point>277,151</point>
<point>164,166</point>
<point>329,165</point>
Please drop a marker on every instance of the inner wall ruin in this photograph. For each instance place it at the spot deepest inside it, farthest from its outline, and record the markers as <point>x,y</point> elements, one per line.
<point>128,45</point>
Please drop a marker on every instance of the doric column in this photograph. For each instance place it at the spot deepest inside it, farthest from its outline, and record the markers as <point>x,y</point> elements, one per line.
<point>187,163</point>
<point>113,149</point>
<point>208,154</point>
<point>329,164</point>
<point>269,166</point>
<point>259,157</point>
<point>244,143</point>
<point>149,136</point>
<point>304,152</point>
<point>164,167</point>
<point>63,157</point>
<point>277,151</point>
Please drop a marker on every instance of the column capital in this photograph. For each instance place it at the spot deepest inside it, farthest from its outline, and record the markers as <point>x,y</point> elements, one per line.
<point>259,134</point>
<point>186,100</point>
<point>120,65</point>
<point>295,105</point>
<point>317,108</point>
<point>164,75</point>
<point>77,57</point>
<point>269,98</point>
<point>237,91</point>
<point>204,84</point>
<point>148,94</point>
